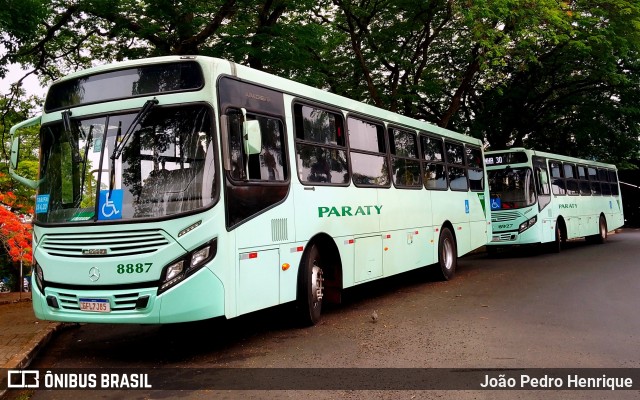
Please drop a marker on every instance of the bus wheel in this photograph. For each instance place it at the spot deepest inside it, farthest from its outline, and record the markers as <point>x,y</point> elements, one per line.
<point>601,237</point>
<point>310,287</point>
<point>447,255</point>
<point>556,245</point>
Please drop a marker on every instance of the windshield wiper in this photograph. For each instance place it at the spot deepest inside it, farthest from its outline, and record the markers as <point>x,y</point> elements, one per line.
<point>88,138</point>
<point>138,119</point>
<point>120,144</point>
<point>67,128</point>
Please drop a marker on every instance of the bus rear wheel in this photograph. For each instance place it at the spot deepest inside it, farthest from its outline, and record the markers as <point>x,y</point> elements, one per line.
<point>310,286</point>
<point>601,237</point>
<point>447,255</point>
<point>560,239</point>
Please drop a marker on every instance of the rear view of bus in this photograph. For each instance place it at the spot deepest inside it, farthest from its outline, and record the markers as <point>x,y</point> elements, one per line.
<point>539,197</point>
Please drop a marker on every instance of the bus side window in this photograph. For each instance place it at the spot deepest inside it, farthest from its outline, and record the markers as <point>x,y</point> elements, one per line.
<point>476,174</point>
<point>434,169</point>
<point>269,164</point>
<point>369,163</point>
<point>557,179</point>
<point>613,178</point>
<point>320,146</point>
<point>404,162</point>
<point>571,179</point>
<point>455,157</point>
<point>596,190</point>
<point>603,176</point>
<point>585,189</point>
<point>542,180</point>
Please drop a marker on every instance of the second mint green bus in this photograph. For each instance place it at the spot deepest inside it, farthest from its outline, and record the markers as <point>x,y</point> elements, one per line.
<point>539,197</point>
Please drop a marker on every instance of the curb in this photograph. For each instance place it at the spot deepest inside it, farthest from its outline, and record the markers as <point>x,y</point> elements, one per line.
<point>31,349</point>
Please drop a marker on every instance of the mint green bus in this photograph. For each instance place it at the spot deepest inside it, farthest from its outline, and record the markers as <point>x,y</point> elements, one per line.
<point>184,188</point>
<point>538,197</point>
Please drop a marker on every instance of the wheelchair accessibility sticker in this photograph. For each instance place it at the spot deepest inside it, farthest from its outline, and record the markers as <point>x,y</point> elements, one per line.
<point>496,203</point>
<point>110,204</point>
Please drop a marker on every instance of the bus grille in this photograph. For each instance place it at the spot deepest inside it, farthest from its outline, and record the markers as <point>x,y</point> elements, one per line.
<point>109,244</point>
<point>119,302</point>
<point>504,237</point>
<point>504,216</point>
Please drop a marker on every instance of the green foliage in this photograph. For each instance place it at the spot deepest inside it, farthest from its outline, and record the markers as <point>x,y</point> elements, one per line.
<point>557,75</point>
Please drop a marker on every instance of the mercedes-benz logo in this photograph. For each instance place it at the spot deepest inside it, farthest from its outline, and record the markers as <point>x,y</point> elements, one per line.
<point>94,274</point>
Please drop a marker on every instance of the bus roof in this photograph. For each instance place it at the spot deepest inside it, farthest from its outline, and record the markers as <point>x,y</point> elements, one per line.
<point>558,157</point>
<point>293,88</point>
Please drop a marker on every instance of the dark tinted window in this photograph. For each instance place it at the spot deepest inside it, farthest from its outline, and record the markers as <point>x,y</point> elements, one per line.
<point>319,126</point>
<point>457,172</point>
<point>369,164</point>
<point>557,182</point>
<point>270,163</point>
<point>593,181</point>
<point>585,188</point>
<point>141,81</point>
<point>613,178</point>
<point>570,175</point>
<point>320,146</point>
<point>455,153</point>
<point>432,148</point>
<point>434,169</point>
<point>405,166</point>
<point>476,174</point>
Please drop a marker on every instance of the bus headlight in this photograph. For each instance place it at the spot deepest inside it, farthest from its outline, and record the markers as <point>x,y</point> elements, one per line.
<point>179,269</point>
<point>174,270</point>
<point>39,277</point>
<point>527,224</point>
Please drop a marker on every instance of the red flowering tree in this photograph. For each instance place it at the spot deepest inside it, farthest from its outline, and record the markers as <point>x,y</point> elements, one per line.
<point>15,235</point>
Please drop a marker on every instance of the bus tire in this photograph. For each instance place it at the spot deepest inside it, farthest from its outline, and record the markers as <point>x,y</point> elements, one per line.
<point>601,237</point>
<point>560,239</point>
<point>310,286</point>
<point>447,255</point>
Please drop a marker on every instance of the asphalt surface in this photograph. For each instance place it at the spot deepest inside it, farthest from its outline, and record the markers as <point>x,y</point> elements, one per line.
<point>520,309</point>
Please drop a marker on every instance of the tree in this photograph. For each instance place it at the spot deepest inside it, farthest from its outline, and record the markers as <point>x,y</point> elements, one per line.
<point>545,73</point>
<point>15,235</point>
<point>579,95</point>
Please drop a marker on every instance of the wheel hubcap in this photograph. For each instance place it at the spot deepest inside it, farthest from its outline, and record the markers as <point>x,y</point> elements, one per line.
<point>447,254</point>
<point>317,289</point>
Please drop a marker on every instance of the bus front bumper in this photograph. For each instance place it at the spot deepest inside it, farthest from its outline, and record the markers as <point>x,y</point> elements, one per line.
<point>199,297</point>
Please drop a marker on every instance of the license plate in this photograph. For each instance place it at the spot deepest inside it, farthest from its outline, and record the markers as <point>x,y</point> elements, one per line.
<point>95,305</point>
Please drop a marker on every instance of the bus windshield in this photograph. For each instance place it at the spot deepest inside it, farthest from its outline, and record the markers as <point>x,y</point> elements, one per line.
<point>165,167</point>
<point>511,188</point>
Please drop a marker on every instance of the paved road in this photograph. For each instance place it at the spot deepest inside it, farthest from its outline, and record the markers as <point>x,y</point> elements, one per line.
<point>576,309</point>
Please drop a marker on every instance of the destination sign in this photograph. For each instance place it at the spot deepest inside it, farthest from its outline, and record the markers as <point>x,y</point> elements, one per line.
<point>516,157</point>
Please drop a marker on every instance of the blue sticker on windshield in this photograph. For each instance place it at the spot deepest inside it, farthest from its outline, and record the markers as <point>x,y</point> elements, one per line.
<point>496,203</point>
<point>110,204</point>
<point>42,203</point>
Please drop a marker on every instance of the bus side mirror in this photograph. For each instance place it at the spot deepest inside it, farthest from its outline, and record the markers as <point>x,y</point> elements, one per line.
<point>15,153</point>
<point>251,137</point>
